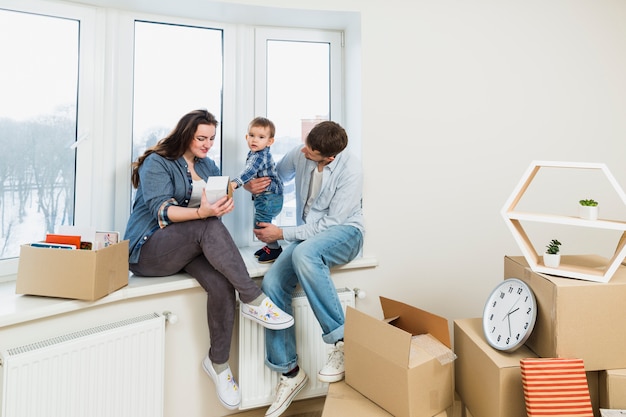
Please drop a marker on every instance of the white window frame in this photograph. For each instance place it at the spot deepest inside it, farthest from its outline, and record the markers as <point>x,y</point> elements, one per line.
<point>88,205</point>
<point>256,76</point>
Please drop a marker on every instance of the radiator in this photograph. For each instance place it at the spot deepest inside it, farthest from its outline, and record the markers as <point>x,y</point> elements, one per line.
<point>113,370</point>
<point>256,381</point>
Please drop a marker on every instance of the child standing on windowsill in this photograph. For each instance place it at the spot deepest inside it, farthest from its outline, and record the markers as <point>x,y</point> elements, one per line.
<point>259,163</point>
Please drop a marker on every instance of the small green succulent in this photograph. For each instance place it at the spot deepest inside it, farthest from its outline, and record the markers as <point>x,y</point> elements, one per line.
<point>553,247</point>
<point>588,203</point>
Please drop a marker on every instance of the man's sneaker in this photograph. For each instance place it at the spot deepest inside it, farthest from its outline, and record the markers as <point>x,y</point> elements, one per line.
<point>267,315</point>
<point>260,251</point>
<point>225,385</point>
<point>334,370</point>
<point>286,391</point>
<point>269,255</point>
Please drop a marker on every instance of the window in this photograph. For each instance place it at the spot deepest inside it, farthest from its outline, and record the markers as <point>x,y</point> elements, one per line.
<point>39,125</point>
<point>298,84</point>
<point>177,68</point>
<point>90,88</point>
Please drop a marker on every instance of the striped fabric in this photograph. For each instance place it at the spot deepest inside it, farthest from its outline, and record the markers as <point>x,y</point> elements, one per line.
<point>555,387</point>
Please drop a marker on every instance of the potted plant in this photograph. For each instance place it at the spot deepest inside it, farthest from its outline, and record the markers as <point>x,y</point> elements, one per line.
<point>588,209</point>
<point>552,257</point>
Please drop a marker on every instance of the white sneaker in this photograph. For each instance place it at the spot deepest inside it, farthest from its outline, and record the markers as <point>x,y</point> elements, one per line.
<point>286,390</point>
<point>334,370</point>
<point>225,385</point>
<point>267,315</point>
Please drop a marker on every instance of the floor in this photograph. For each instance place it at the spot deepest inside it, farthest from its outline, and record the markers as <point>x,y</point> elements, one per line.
<point>304,408</point>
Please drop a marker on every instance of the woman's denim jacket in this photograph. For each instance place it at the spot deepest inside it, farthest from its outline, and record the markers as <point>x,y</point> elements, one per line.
<point>162,183</point>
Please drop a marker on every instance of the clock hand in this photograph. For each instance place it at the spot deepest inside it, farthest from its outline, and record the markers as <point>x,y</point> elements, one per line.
<point>509,319</point>
<point>518,298</point>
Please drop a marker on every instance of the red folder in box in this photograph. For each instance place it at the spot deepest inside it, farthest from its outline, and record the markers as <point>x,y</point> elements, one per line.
<point>67,239</point>
<point>555,387</point>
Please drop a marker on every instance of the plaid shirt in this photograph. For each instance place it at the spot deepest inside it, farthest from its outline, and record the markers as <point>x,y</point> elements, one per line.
<point>260,164</point>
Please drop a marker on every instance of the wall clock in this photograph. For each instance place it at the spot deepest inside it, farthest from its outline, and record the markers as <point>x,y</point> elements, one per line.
<point>509,315</point>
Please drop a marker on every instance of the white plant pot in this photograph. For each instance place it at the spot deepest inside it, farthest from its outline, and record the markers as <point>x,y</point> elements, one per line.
<point>588,212</point>
<point>551,260</point>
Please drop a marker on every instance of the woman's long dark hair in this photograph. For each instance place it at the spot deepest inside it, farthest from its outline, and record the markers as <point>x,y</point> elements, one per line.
<point>174,145</point>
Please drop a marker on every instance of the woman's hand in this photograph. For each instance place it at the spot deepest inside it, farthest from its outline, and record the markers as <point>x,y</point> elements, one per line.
<point>222,206</point>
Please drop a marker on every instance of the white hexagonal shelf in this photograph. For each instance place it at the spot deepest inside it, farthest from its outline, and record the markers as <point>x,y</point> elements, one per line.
<point>513,220</point>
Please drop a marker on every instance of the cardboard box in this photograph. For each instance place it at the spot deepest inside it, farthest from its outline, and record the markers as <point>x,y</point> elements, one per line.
<point>343,400</point>
<point>576,318</point>
<point>382,364</point>
<point>488,381</point>
<point>78,274</point>
<point>217,187</point>
<point>612,387</point>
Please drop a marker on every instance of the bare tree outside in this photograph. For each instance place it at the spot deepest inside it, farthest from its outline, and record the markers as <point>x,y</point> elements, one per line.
<point>37,129</point>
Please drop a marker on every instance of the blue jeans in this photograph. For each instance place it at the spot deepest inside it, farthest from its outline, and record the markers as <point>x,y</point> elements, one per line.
<point>308,263</point>
<point>266,207</point>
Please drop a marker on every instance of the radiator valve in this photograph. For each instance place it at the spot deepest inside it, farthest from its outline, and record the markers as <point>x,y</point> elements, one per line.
<point>170,317</point>
<point>359,293</point>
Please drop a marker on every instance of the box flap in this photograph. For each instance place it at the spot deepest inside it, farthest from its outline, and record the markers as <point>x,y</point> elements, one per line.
<point>415,321</point>
<point>390,342</point>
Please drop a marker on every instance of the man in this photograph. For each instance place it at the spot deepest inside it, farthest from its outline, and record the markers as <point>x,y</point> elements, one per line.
<point>329,232</point>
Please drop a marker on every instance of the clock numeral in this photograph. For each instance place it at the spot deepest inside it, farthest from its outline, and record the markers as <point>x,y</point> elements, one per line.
<point>493,329</point>
<point>510,290</point>
<point>494,303</point>
<point>529,310</point>
<point>517,336</point>
<point>491,317</point>
<point>526,299</point>
<point>499,337</point>
<point>519,291</point>
<point>526,326</point>
<point>508,340</point>
<point>502,295</point>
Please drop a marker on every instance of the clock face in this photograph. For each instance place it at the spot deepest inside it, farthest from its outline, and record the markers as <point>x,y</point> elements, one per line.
<point>509,315</point>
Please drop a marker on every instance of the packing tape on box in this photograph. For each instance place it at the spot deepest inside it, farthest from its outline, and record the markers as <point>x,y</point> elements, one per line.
<point>434,347</point>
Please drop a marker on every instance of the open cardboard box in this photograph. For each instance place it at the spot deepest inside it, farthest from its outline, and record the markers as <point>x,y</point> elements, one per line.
<point>78,274</point>
<point>384,365</point>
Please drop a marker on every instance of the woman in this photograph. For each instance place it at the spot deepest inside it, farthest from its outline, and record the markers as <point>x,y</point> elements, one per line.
<point>174,228</point>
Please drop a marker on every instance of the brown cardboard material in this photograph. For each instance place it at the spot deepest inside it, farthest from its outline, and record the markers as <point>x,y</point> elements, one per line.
<point>382,366</point>
<point>78,274</point>
<point>487,380</point>
<point>342,400</point>
<point>577,318</point>
<point>612,387</point>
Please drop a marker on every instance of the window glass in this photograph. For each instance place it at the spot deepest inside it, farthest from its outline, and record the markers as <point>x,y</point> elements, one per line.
<point>38,116</point>
<point>298,97</point>
<point>177,69</point>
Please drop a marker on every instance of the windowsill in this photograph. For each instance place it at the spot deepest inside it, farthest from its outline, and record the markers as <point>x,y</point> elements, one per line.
<point>17,308</point>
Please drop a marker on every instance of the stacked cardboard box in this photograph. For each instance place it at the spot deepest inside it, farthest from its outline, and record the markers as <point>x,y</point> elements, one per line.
<point>576,319</point>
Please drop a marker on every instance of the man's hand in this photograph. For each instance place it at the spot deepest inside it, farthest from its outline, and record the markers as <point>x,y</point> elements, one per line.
<point>257,185</point>
<point>268,232</point>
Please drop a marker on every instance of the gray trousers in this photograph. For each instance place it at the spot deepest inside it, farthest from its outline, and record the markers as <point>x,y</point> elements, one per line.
<point>205,250</point>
